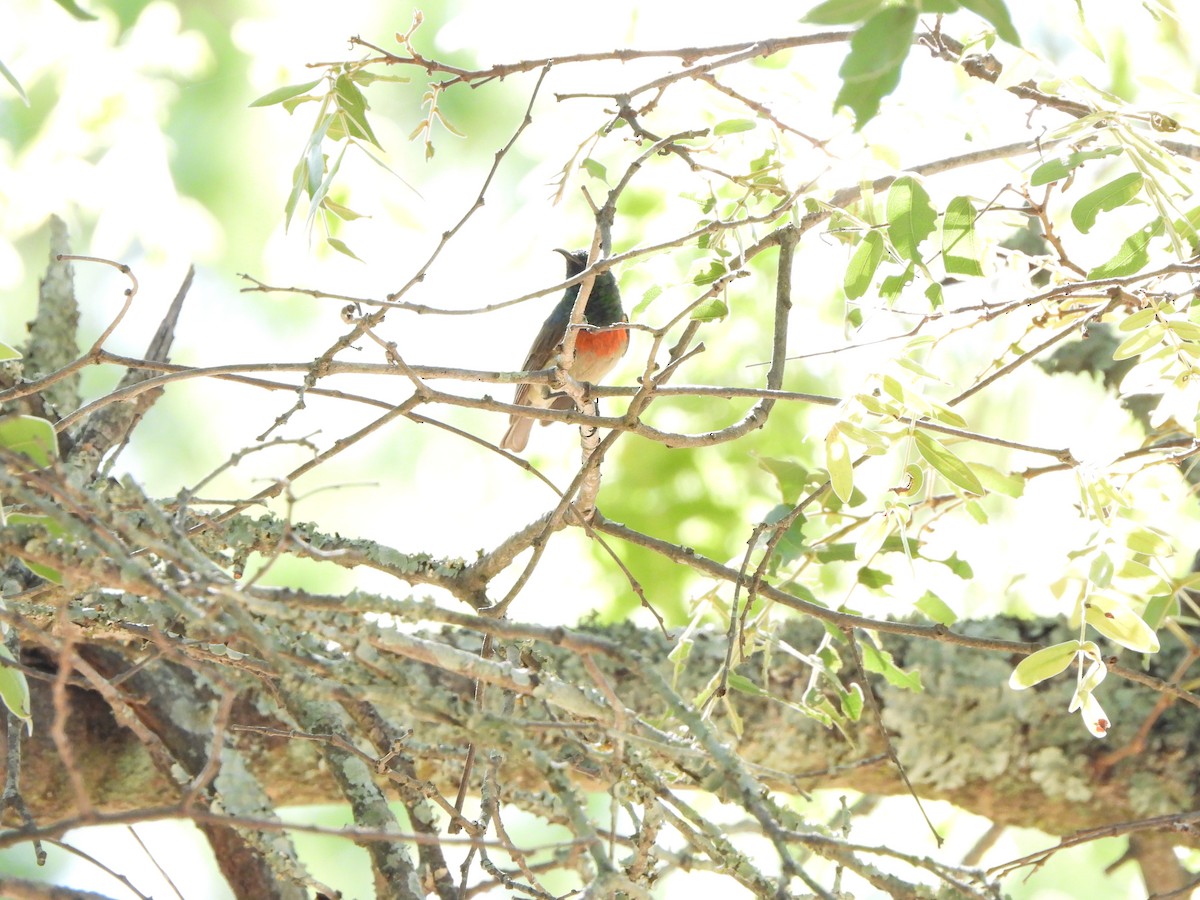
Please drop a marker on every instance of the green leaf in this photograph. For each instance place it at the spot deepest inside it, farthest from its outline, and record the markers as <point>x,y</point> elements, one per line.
<point>1043,664</point>
<point>936,609</point>
<point>958,566</point>
<point>1144,340</point>
<point>285,93</point>
<point>1132,257</point>
<point>871,69</point>
<point>863,264</point>
<point>998,482</point>
<point>841,12</point>
<point>960,254</point>
<point>12,79</point>
<point>340,247</point>
<point>595,169</point>
<point>995,12</point>
<point>354,104</point>
<point>716,269</point>
<point>837,461</point>
<point>882,663</point>
<point>344,213</point>
<point>1105,198</point>
<point>54,529</point>
<point>366,77</point>
<point>1116,621</point>
<point>31,437</point>
<point>851,702</point>
<point>7,352</point>
<point>934,295</point>
<point>790,476</point>
<point>649,297</point>
<point>710,310</point>
<point>873,578</point>
<point>74,9</point>
<point>1059,169</point>
<point>911,216</point>
<point>14,689</point>
<point>734,126</point>
<point>946,463</point>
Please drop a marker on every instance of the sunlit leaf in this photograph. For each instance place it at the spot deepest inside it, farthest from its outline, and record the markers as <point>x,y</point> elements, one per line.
<point>1043,664</point>
<point>837,461</point>
<point>882,663</point>
<point>935,608</point>
<point>7,352</point>
<point>863,264</point>
<point>734,126</point>
<point>1114,619</point>
<point>14,689</point>
<point>841,12</point>
<point>911,216</point>
<point>30,436</point>
<point>995,12</point>
<point>960,254</point>
<point>74,9</point>
<point>12,79</point>
<point>1059,169</point>
<point>340,247</point>
<point>1132,256</point>
<point>1105,198</point>
<point>285,93</point>
<point>946,463</point>
<point>871,70</point>
<point>710,310</point>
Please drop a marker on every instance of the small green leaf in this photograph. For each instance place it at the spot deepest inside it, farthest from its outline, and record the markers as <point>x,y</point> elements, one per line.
<point>841,12</point>
<point>710,310</point>
<point>1059,169</point>
<point>12,79</point>
<point>342,212</point>
<point>30,436</point>
<point>716,269</point>
<point>366,77</point>
<point>595,169</point>
<point>873,578</point>
<point>734,126</point>
<point>354,104</point>
<point>863,264</point>
<point>74,9</point>
<point>285,93</point>
<point>936,609</point>
<point>851,702</point>
<point>998,482</point>
<point>1105,198</point>
<point>882,663</point>
<point>995,12</point>
<point>911,216</point>
<point>7,352</point>
<point>837,461</point>
<point>340,247</point>
<point>790,476</point>
<point>960,254</point>
<point>1138,320</point>
<point>1117,622</point>
<point>946,463</point>
<point>1043,664</point>
<point>14,689</point>
<point>649,297</point>
<point>1140,342</point>
<point>1132,256</point>
<point>1149,542</point>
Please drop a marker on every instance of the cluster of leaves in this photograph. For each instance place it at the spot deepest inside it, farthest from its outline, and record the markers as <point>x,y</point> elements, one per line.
<point>24,440</point>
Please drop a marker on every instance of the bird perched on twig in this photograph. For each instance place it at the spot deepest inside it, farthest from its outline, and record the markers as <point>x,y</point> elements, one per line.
<point>597,348</point>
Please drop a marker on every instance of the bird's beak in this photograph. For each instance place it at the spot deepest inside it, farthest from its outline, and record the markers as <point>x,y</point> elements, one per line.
<point>566,253</point>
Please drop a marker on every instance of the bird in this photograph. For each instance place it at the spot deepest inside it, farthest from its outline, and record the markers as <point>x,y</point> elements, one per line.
<point>596,352</point>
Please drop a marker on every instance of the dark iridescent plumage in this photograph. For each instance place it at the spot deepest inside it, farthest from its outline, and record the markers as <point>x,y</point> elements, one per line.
<point>596,352</point>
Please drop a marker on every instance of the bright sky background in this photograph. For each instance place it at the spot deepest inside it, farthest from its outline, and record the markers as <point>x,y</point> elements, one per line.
<point>138,183</point>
